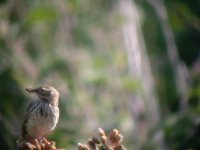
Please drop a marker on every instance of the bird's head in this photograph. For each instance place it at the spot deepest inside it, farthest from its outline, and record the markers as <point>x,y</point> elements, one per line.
<point>46,93</point>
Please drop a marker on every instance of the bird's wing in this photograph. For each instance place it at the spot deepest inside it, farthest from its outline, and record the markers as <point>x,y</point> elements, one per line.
<point>23,129</point>
<point>26,118</point>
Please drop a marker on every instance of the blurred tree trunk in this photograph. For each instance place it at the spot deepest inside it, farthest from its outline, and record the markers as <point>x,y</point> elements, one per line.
<point>143,103</point>
<point>179,68</point>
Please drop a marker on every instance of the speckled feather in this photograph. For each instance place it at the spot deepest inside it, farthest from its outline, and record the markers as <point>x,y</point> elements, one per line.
<point>41,118</point>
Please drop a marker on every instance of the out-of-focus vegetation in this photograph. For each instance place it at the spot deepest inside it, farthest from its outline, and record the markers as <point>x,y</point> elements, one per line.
<point>79,47</point>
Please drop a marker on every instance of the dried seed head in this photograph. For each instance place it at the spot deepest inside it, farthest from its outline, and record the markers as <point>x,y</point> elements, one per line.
<point>86,147</point>
<point>42,146</point>
<point>28,145</point>
<point>113,133</point>
<point>82,147</point>
<point>101,132</point>
<point>119,147</point>
<point>103,140</point>
<point>116,140</point>
<point>91,144</point>
<point>95,140</point>
<point>50,147</point>
<point>113,142</point>
<point>52,143</point>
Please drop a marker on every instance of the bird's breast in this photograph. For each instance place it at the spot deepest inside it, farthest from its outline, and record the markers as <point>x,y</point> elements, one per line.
<point>42,120</point>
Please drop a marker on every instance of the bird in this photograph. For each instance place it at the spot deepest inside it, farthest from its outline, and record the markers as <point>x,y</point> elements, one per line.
<point>42,114</point>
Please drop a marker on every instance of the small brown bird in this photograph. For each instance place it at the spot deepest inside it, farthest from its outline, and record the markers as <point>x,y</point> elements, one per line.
<point>41,115</point>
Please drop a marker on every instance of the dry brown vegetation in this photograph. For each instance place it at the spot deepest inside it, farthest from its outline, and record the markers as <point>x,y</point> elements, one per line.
<point>112,141</point>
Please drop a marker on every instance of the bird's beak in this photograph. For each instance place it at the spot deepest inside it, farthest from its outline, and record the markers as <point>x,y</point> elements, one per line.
<point>31,90</point>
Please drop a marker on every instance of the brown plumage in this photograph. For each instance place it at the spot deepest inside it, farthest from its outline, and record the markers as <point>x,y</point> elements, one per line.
<point>42,114</point>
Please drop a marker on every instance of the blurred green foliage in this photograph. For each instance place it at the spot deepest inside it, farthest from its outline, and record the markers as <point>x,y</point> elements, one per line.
<point>181,129</point>
<point>76,47</point>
